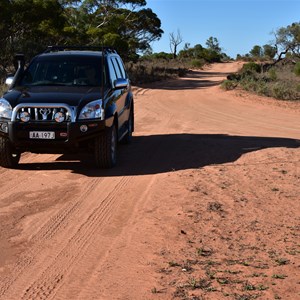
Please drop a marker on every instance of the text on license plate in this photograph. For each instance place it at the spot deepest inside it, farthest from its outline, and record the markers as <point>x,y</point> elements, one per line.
<point>46,135</point>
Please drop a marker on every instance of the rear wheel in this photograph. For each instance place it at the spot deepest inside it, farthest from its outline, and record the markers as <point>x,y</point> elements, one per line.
<point>9,158</point>
<point>106,148</point>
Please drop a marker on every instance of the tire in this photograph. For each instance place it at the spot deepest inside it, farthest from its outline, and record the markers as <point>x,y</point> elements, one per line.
<point>130,125</point>
<point>8,157</point>
<point>106,148</point>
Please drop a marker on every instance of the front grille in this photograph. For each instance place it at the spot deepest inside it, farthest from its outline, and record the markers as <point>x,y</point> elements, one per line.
<point>43,113</point>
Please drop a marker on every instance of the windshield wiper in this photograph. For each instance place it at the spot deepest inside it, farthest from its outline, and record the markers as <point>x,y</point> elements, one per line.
<point>47,83</point>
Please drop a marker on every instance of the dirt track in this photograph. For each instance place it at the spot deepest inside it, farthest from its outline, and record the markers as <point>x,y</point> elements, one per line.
<point>204,204</point>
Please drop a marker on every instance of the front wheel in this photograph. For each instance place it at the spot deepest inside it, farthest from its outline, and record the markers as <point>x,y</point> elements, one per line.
<point>130,125</point>
<point>8,157</point>
<point>106,148</point>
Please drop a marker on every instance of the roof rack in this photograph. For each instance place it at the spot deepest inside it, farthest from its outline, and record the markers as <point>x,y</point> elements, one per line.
<point>105,49</point>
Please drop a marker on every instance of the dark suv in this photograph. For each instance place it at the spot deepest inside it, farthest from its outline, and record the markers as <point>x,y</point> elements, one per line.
<point>67,99</point>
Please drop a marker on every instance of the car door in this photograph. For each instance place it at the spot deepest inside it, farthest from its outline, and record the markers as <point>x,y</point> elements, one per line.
<point>120,95</point>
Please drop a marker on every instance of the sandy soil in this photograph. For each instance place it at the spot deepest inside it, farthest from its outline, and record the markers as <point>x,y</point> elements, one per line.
<point>204,204</point>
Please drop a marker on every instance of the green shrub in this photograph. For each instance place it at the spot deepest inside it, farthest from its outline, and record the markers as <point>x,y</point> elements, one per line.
<point>282,90</point>
<point>234,76</point>
<point>297,69</point>
<point>278,81</point>
<point>254,85</point>
<point>272,74</point>
<point>249,83</point>
<point>250,70</point>
<point>252,67</point>
<point>229,85</point>
<point>197,63</point>
<point>262,88</point>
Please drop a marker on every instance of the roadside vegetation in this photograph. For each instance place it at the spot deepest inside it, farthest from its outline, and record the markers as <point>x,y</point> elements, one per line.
<point>272,71</point>
<point>160,66</point>
<point>281,81</point>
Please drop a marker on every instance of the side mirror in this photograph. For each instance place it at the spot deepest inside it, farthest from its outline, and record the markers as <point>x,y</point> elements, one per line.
<point>19,61</point>
<point>121,83</point>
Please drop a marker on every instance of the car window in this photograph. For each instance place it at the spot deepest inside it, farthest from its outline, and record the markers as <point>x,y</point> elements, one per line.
<point>121,66</point>
<point>112,71</point>
<point>117,68</point>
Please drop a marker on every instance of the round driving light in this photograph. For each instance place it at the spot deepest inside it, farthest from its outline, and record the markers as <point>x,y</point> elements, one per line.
<point>59,117</point>
<point>4,127</point>
<point>83,128</point>
<point>24,116</point>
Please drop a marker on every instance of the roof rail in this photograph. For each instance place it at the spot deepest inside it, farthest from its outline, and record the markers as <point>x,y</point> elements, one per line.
<point>105,49</point>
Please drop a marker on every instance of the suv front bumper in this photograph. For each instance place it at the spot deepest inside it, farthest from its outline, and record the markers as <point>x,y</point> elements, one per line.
<point>67,135</point>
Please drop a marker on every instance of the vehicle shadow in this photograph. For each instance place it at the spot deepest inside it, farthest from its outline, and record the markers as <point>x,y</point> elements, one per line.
<point>156,154</point>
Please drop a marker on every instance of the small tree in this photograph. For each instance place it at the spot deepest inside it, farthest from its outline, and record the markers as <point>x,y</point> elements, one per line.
<point>287,40</point>
<point>269,51</point>
<point>213,44</point>
<point>175,41</point>
<point>186,46</point>
<point>256,51</point>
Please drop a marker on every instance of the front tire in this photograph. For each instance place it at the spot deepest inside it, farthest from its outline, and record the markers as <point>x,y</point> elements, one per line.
<point>106,148</point>
<point>8,157</point>
<point>130,125</point>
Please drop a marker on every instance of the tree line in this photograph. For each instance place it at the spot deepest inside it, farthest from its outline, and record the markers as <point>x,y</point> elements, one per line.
<point>197,55</point>
<point>286,44</point>
<point>29,26</point>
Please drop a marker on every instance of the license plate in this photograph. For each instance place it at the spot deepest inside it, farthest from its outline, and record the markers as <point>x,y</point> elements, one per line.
<point>42,135</point>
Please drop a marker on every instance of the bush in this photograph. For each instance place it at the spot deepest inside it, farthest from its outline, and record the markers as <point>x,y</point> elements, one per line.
<point>272,74</point>
<point>197,63</point>
<point>297,69</point>
<point>282,90</point>
<point>252,67</point>
<point>145,71</point>
<point>229,85</point>
<point>253,85</point>
<point>234,76</point>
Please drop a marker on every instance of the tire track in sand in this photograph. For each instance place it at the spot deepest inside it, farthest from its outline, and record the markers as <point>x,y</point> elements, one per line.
<point>48,281</point>
<point>89,217</point>
<point>55,224</point>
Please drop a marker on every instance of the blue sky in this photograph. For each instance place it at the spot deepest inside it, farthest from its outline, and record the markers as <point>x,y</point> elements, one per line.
<point>237,24</point>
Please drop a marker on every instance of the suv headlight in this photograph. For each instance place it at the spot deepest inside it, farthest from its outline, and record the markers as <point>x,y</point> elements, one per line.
<point>92,110</point>
<point>5,109</point>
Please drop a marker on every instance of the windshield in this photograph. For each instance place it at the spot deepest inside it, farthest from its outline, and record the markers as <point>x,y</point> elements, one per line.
<point>65,70</point>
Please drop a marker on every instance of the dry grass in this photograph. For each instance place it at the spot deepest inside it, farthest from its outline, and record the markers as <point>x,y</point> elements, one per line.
<point>279,81</point>
<point>145,71</point>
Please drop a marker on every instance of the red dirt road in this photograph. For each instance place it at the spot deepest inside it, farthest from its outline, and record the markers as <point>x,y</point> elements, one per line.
<point>204,204</point>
